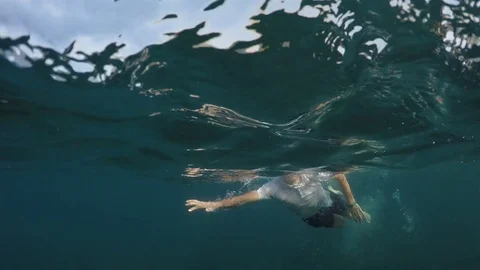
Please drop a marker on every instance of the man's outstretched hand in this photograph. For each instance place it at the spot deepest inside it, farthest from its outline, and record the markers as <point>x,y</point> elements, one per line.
<point>196,205</point>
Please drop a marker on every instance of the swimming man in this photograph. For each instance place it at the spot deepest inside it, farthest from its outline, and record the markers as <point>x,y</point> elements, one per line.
<point>305,195</point>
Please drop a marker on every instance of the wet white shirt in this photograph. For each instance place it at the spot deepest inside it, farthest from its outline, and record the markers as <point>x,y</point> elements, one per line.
<point>304,198</point>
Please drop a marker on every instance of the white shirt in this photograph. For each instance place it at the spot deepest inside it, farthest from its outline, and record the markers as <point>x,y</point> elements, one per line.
<point>304,198</point>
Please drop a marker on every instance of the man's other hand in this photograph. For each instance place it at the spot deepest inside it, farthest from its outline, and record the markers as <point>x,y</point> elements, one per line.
<point>357,214</point>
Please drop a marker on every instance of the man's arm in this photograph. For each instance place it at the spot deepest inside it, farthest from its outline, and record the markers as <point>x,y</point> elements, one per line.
<point>235,201</point>
<point>355,211</point>
<point>347,192</point>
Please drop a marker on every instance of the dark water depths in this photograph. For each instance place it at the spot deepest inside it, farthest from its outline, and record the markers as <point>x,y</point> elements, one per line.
<point>109,110</point>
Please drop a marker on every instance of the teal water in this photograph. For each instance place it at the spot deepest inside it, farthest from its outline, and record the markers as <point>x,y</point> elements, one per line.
<point>113,113</point>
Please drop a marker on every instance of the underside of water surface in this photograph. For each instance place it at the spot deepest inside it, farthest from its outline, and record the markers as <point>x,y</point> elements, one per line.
<point>261,87</point>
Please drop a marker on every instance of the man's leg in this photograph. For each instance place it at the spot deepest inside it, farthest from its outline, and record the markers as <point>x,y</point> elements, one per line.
<point>338,221</point>
<point>340,208</point>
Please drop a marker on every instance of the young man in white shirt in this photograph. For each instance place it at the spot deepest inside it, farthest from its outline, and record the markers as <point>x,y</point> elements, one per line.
<point>305,194</point>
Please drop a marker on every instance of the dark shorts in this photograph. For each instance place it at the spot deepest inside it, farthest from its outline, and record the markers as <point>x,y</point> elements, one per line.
<point>324,217</point>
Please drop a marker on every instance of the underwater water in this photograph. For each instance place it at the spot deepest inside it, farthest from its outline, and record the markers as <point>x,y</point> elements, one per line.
<point>113,113</point>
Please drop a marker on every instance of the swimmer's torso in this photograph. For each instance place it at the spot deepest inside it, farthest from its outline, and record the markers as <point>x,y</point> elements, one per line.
<point>304,194</point>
